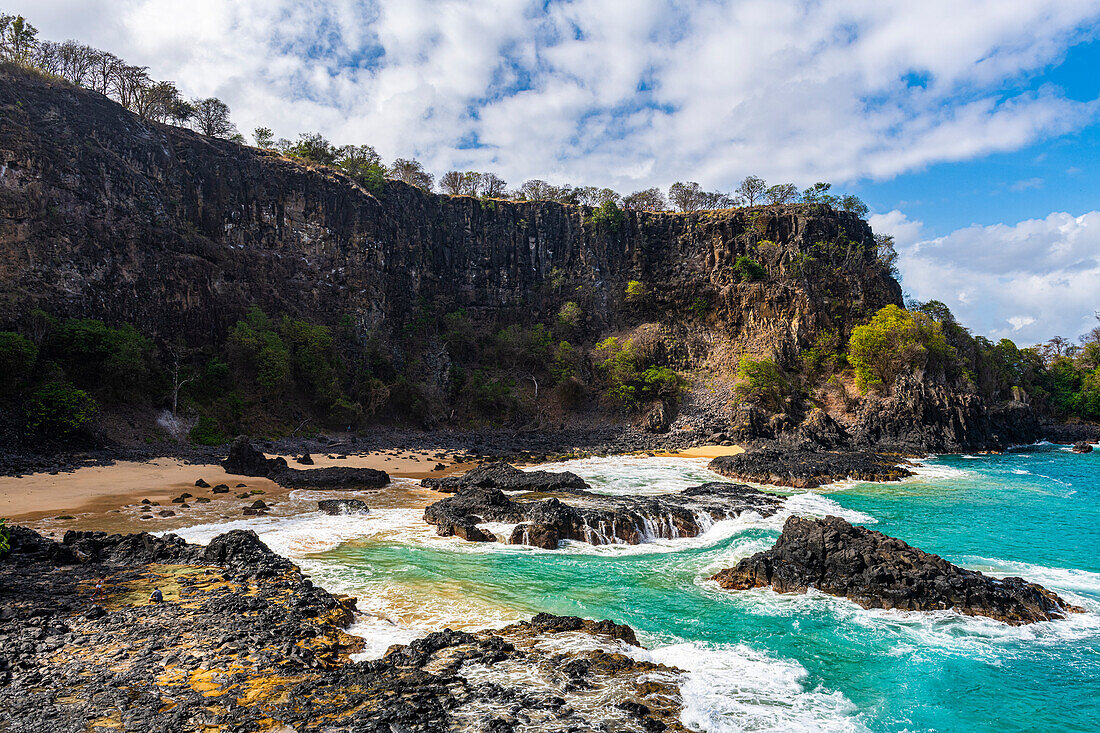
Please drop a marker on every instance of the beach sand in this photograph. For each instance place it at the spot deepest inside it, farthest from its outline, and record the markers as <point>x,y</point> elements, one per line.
<point>96,490</point>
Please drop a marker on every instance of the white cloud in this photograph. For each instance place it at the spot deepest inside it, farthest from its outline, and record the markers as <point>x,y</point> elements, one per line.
<point>624,94</point>
<point>1027,281</point>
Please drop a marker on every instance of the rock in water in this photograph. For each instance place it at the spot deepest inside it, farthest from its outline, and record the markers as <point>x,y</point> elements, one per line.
<point>343,506</point>
<point>805,469</point>
<point>1082,447</point>
<point>877,571</point>
<point>545,521</point>
<point>500,475</point>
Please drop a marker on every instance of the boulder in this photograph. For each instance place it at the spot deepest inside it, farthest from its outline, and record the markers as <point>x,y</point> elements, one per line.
<point>806,469</point>
<point>1082,447</point>
<point>342,506</point>
<point>877,571</point>
<point>500,475</point>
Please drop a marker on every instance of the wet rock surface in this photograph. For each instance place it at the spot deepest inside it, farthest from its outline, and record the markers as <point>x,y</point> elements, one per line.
<point>807,469</point>
<point>244,642</point>
<point>544,519</point>
<point>343,506</point>
<point>877,571</point>
<point>503,476</point>
<point>1082,447</point>
<point>246,460</point>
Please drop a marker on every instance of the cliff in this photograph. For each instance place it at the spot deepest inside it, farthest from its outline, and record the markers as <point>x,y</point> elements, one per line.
<point>106,215</point>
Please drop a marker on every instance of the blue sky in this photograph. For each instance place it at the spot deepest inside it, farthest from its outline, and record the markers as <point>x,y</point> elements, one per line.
<point>970,128</point>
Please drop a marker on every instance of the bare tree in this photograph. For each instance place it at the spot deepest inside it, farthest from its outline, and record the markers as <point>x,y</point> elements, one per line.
<point>177,370</point>
<point>686,196</point>
<point>491,185</point>
<point>650,199</point>
<point>751,189</point>
<point>411,172</point>
<point>781,193</point>
<point>451,182</point>
<point>212,118</point>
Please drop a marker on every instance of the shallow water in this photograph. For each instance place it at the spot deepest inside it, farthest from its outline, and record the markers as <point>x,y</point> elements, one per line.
<point>757,660</point>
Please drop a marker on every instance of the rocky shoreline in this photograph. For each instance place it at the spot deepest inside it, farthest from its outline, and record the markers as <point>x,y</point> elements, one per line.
<point>877,571</point>
<point>807,469</point>
<point>244,642</point>
<point>554,507</point>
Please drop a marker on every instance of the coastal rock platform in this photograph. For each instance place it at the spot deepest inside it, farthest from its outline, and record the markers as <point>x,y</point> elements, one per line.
<point>807,469</point>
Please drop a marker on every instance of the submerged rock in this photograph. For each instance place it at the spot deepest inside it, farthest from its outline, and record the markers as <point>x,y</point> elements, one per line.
<point>806,469</point>
<point>500,475</point>
<point>877,571</point>
<point>343,506</point>
<point>595,518</point>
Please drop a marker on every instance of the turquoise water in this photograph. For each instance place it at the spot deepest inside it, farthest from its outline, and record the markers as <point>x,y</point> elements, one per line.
<point>760,661</point>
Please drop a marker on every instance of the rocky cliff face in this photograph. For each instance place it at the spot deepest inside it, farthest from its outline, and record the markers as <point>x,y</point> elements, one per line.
<point>104,214</point>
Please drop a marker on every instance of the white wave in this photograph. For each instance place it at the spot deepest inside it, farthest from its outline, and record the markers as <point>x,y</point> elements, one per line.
<point>736,688</point>
<point>1068,580</point>
<point>640,475</point>
<point>1021,472</point>
<point>926,469</point>
<point>815,505</point>
<point>294,536</point>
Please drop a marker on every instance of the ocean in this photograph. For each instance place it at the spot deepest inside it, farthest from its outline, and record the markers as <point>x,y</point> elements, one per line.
<point>757,660</point>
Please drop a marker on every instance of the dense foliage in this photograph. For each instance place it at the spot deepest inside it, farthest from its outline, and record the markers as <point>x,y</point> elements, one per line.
<point>633,379</point>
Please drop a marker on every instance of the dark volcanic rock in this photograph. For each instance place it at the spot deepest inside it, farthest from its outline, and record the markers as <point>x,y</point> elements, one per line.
<point>500,475</point>
<point>1082,447</point>
<point>807,469</point>
<point>1070,433</point>
<point>343,506</point>
<point>243,642</point>
<point>247,460</point>
<point>595,518</point>
<point>877,571</point>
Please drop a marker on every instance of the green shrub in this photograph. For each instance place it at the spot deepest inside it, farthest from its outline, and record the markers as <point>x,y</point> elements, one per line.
<point>5,542</point>
<point>207,432</point>
<point>748,269</point>
<point>17,358</point>
<point>58,409</point>
<point>825,356</point>
<point>762,381</point>
<point>570,315</point>
<point>97,356</point>
<point>896,341</point>
<point>630,382</point>
<point>608,215</point>
<point>635,291</point>
<point>259,353</point>
<point>700,307</point>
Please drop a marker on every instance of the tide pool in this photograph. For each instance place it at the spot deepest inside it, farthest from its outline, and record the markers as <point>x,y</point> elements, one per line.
<point>757,660</point>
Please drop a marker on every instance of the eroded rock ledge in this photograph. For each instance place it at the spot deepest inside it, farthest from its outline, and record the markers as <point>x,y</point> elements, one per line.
<point>500,475</point>
<point>877,571</point>
<point>805,469</point>
<point>243,642</point>
<point>543,519</point>
<point>246,460</point>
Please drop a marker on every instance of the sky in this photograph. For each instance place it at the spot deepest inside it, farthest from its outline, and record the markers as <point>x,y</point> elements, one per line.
<point>970,127</point>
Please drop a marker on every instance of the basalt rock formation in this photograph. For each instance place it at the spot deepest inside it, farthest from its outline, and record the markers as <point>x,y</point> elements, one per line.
<point>343,506</point>
<point>594,518</point>
<point>877,571</point>
<point>243,642</point>
<point>246,460</point>
<point>807,469</point>
<point>500,475</point>
<point>1082,447</point>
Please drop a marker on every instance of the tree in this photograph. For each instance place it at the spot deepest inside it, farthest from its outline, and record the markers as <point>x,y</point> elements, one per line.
<point>313,147</point>
<point>17,358</point>
<point>411,172</point>
<point>748,269</point>
<point>685,196</point>
<point>781,193</point>
<point>762,381</point>
<point>212,118</point>
<point>490,185</point>
<point>886,254</point>
<point>608,216</point>
<point>181,111</point>
<point>452,182</point>
<point>650,199</point>
<point>362,163</point>
<point>57,409</point>
<point>264,137</point>
<point>18,39</point>
<point>181,376</point>
<point>854,204</point>
<point>895,341</point>
<point>751,189</point>
<point>819,194</point>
